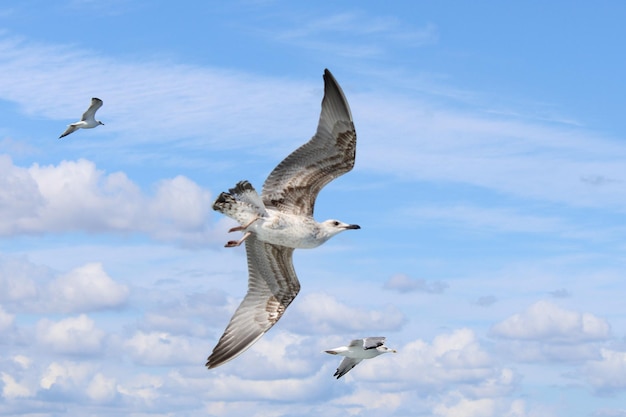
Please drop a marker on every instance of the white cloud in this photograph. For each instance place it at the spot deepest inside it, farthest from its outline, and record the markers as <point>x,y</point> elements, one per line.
<point>162,348</point>
<point>368,400</point>
<point>322,313</point>
<point>279,355</point>
<point>456,405</point>
<point>13,389</point>
<point>23,361</point>
<point>73,335</point>
<point>16,279</point>
<point>544,321</point>
<point>144,387</point>
<point>101,389</point>
<point>75,195</point>
<point>19,194</point>
<point>65,374</point>
<point>27,287</point>
<point>6,320</point>
<point>483,407</point>
<point>607,374</point>
<point>454,358</point>
<point>79,381</point>
<point>230,388</point>
<point>86,382</point>
<point>450,376</point>
<point>196,314</point>
<point>86,288</point>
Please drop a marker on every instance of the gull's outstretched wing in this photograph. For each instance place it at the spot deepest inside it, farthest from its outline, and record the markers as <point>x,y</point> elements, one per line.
<point>295,183</point>
<point>272,285</point>
<point>373,342</point>
<point>346,365</point>
<point>90,113</point>
<point>70,129</point>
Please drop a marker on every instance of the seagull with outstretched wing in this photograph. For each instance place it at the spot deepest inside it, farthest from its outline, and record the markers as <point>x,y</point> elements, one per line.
<point>88,121</point>
<point>281,219</point>
<point>357,350</point>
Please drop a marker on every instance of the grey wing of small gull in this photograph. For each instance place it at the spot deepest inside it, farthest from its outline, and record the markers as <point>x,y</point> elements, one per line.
<point>272,285</point>
<point>90,113</point>
<point>70,129</point>
<point>373,342</point>
<point>346,365</point>
<point>295,183</point>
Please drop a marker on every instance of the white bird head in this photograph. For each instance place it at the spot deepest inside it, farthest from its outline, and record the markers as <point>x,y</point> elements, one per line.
<point>330,228</point>
<point>385,349</point>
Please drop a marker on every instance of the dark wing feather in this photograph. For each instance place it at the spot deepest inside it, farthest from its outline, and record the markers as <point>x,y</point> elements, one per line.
<point>295,183</point>
<point>272,285</point>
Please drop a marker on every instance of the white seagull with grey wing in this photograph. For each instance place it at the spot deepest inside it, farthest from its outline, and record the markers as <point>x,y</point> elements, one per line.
<point>357,350</point>
<point>88,121</point>
<point>281,219</point>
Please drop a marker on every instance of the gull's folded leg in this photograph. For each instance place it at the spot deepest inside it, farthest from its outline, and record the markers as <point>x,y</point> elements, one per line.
<point>240,228</point>
<point>234,243</point>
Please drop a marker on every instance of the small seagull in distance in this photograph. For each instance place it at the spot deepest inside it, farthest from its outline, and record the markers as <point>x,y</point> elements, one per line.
<point>280,219</point>
<point>88,121</point>
<point>357,350</point>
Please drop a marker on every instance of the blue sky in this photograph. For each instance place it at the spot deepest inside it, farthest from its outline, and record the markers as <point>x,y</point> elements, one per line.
<point>489,185</point>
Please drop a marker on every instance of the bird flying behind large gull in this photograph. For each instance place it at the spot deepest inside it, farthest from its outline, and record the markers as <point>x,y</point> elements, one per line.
<point>88,121</point>
<point>281,219</point>
<point>357,350</point>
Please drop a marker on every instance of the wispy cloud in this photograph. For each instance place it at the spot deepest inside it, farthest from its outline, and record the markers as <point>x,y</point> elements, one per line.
<point>352,34</point>
<point>153,102</point>
<point>423,141</point>
<point>405,284</point>
<point>485,218</point>
<point>202,108</point>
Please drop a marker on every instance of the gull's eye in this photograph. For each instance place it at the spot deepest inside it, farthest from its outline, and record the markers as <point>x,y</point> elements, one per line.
<point>335,223</point>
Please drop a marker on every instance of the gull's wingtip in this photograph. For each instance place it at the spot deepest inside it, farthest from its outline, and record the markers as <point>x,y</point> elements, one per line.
<point>328,74</point>
<point>334,97</point>
<point>213,361</point>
